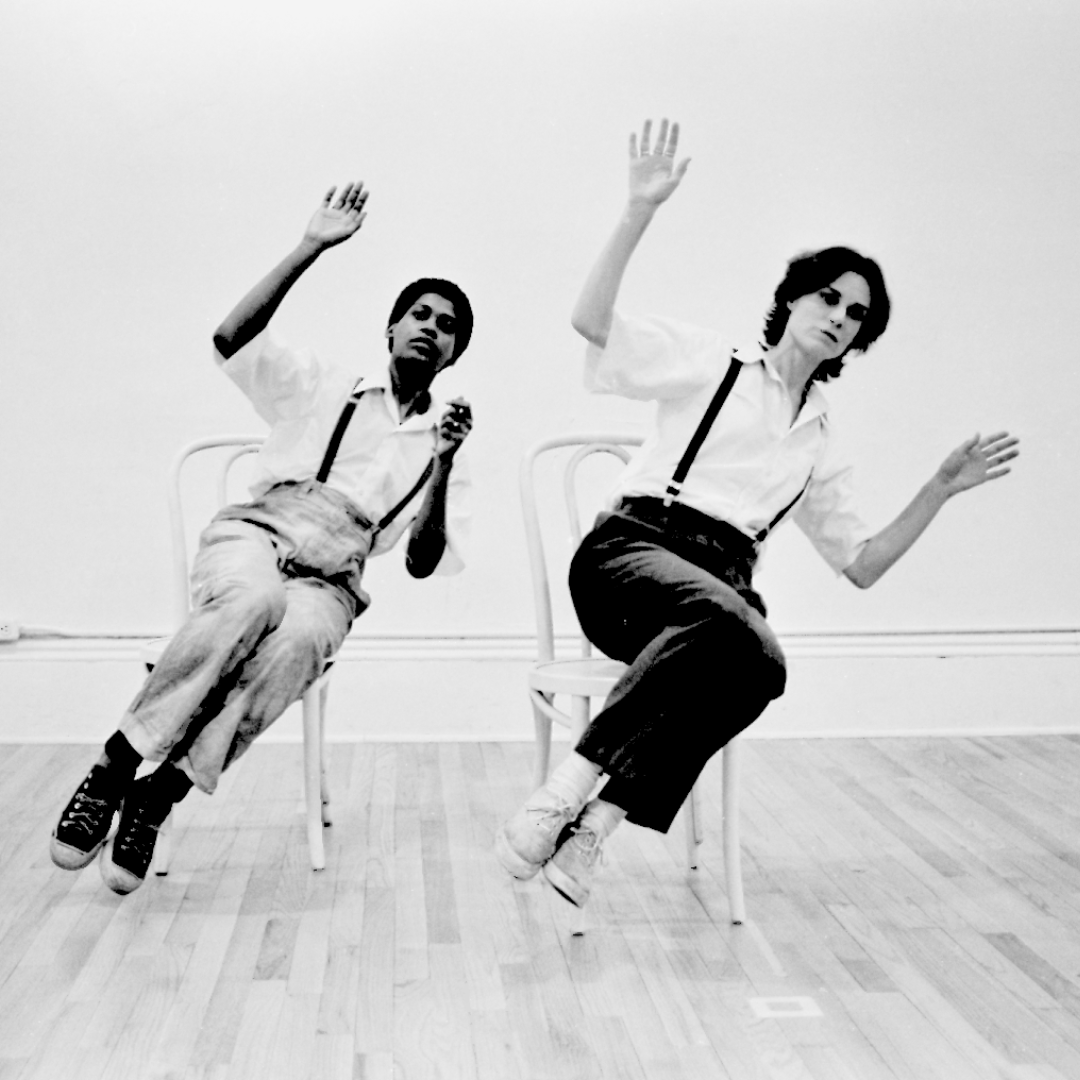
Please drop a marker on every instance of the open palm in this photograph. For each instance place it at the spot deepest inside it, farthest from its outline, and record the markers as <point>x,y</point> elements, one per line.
<point>653,172</point>
<point>337,220</point>
<point>978,460</point>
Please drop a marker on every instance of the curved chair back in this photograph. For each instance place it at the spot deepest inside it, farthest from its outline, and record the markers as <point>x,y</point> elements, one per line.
<point>222,452</point>
<point>582,445</point>
<point>237,446</point>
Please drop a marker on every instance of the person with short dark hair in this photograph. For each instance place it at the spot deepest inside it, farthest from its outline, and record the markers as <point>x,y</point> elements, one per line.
<point>664,581</point>
<point>348,467</point>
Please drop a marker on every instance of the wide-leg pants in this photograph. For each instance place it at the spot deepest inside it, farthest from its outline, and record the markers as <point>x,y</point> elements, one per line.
<point>275,588</point>
<point>670,595</point>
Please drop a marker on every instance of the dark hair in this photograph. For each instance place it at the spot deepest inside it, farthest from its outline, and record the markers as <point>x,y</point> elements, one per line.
<point>463,315</point>
<point>812,270</point>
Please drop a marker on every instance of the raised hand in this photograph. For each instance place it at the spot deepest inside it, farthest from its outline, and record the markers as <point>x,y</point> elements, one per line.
<point>976,461</point>
<point>337,219</point>
<point>455,424</point>
<point>653,172</point>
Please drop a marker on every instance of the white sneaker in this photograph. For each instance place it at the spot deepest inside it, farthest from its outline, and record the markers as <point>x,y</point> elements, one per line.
<point>573,866</point>
<point>528,839</point>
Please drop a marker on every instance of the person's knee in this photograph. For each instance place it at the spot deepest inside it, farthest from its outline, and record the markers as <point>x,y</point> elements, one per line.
<point>309,633</point>
<point>773,668</point>
<point>745,645</point>
<point>258,605</point>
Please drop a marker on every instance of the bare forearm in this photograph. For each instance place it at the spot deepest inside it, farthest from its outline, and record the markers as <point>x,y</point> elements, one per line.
<point>887,546</point>
<point>252,314</point>
<point>593,312</point>
<point>427,540</point>
<point>971,464</point>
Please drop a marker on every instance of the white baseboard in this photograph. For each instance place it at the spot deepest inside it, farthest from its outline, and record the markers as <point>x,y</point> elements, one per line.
<point>472,688</point>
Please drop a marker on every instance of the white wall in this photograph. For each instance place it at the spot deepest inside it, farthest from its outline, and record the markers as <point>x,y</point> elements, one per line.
<point>158,158</point>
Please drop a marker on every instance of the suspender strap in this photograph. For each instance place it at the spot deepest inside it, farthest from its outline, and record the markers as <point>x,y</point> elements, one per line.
<point>339,433</point>
<point>335,444</point>
<point>388,517</point>
<point>762,533</point>
<point>675,484</point>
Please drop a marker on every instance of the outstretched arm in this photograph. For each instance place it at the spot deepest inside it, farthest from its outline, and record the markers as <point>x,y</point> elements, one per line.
<point>653,177</point>
<point>333,222</point>
<point>969,465</point>
<point>427,538</point>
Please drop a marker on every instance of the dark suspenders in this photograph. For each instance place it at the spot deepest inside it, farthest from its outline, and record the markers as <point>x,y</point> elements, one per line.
<point>334,445</point>
<point>762,533</point>
<point>674,487</point>
<point>391,514</point>
<point>675,484</point>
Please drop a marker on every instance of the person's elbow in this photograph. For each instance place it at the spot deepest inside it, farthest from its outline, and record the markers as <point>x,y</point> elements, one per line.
<point>422,557</point>
<point>223,341</point>
<point>862,573</point>
<point>419,568</point>
<point>859,580</point>
<point>590,328</point>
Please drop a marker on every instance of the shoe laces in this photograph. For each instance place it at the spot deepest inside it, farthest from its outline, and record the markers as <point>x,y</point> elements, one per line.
<point>85,811</point>
<point>588,844</point>
<point>134,843</point>
<point>551,816</point>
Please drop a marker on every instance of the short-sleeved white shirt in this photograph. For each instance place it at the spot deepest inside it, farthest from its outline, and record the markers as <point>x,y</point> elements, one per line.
<point>754,460</point>
<point>380,458</point>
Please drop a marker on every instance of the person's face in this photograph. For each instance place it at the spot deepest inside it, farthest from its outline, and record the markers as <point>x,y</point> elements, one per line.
<point>425,335</point>
<point>824,323</point>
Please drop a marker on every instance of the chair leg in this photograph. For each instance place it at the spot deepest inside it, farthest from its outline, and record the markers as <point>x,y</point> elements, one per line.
<point>324,781</point>
<point>694,831</point>
<point>163,846</point>
<point>542,726</point>
<point>732,852</point>
<point>313,777</point>
<point>579,718</point>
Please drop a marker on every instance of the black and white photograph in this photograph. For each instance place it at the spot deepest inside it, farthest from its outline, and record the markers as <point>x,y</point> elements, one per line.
<point>538,540</point>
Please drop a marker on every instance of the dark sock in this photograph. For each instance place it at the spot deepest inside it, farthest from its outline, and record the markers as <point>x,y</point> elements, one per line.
<point>122,757</point>
<point>165,787</point>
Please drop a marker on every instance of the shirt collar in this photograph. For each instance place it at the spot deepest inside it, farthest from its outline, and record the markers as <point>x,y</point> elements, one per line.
<point>418,421</point>
<point>816,403</point>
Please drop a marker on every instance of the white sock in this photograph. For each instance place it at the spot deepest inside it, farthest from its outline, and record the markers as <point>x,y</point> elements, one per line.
<point>601,817</point>
<point>574,779</point>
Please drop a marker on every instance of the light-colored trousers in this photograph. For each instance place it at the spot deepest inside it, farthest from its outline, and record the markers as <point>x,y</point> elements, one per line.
<point>275,588</point>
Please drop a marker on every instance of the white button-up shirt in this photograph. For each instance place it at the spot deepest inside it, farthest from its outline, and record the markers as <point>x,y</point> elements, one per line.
<point>754,461</point>
<point>380,458</point>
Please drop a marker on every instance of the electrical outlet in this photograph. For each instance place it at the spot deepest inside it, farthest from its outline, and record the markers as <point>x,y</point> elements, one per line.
<point>9,631</point>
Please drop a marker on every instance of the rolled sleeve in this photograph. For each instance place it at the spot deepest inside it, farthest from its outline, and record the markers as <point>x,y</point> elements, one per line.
<point>827,514</point>
<point>652,358</point>
<point>281,382</point>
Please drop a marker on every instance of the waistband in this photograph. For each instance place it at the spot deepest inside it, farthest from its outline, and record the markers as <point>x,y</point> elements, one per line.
<point>312,489</point>
<point>687,524</point>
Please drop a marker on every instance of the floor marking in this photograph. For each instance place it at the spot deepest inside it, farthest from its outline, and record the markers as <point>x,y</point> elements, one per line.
<point>787,1007</point>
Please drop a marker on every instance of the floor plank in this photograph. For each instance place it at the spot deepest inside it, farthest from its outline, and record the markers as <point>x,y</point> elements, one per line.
<point>914,908</point>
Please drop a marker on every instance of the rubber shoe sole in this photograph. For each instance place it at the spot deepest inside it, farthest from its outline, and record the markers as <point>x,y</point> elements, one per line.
<point>71,858</point>
<point>116,877</point>
<point>511,861</point>
<point>565,885</point>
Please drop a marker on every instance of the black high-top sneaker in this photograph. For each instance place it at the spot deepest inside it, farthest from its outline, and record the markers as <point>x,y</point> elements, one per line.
<point>128,854</point>
<point>86,819</point>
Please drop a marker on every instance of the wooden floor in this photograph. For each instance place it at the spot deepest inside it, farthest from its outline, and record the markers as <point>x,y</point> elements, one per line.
<point>914,913</point>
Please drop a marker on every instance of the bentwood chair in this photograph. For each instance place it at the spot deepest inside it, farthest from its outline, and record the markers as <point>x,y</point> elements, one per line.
<point>585,676</point>
<point>219,454</point>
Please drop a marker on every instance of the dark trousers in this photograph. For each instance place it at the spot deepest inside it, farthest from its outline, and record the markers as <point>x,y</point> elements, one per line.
<point>667,591</point>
